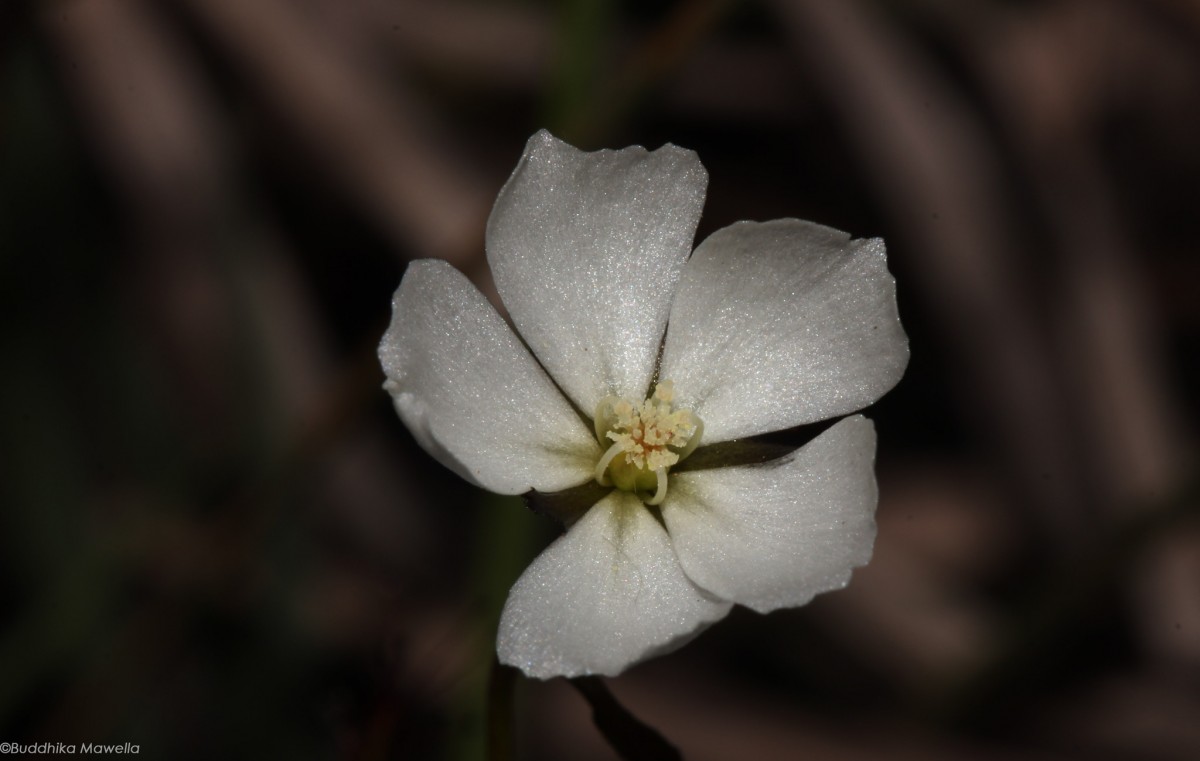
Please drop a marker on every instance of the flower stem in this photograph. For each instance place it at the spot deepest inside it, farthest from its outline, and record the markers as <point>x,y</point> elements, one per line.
<point>628,736</point>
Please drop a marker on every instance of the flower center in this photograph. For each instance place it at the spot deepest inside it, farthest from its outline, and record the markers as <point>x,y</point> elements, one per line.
<point>647,439</point>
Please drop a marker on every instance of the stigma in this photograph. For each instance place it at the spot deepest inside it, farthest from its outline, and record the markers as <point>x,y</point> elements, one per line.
<point>647,439</point>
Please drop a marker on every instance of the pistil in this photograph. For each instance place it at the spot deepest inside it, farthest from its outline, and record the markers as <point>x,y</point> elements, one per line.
<point>647,439</point>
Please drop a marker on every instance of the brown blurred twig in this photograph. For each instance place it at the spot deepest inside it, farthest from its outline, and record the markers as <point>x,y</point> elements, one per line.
<point>942,188</point>
<point>1062,608</point>
<point>371,136</point>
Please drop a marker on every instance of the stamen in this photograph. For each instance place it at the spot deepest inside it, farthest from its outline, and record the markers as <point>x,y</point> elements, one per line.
<point>648,438</point>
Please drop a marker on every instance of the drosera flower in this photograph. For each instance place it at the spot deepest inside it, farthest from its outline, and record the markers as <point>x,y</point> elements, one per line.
<point>640,357</point>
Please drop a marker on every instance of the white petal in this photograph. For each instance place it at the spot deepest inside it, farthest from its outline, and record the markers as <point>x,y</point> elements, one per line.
<point>586,249</point>
<point>472,395</point>
<point>607,594</point>
<point>782,323</point>
<point>773,535</point>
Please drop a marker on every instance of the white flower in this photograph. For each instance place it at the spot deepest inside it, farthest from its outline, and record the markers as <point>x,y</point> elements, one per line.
<point>767,326</point>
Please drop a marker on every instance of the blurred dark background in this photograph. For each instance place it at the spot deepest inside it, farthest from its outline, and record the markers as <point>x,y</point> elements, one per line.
<point>217,539</point>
